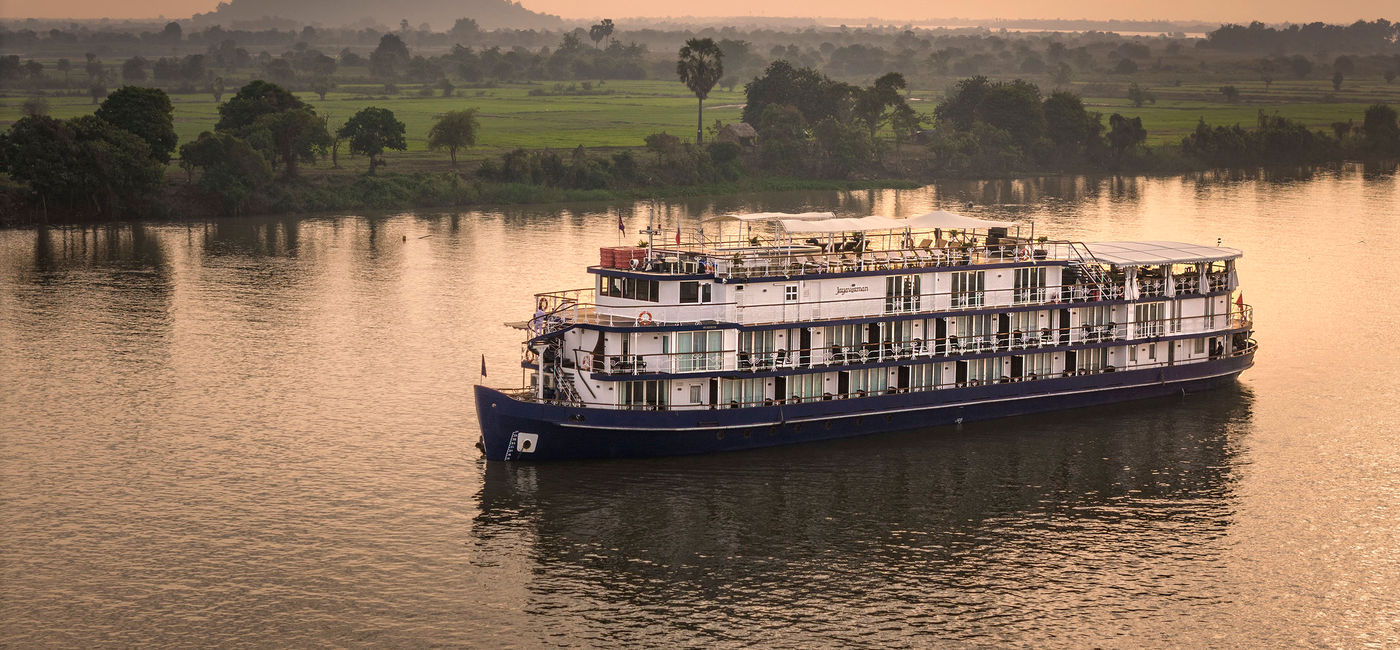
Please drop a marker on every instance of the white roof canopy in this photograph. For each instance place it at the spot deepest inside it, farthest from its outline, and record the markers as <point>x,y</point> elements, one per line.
<point>922,222</point>
<point>945,219</point>
<point>773,216</point>
<point>1140,253</point>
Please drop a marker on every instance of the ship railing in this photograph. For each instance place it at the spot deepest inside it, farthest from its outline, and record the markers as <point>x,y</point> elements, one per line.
<point>742,264</point>
<point>835,308</point>
<point>1248,346</point>
<point>914,348</point>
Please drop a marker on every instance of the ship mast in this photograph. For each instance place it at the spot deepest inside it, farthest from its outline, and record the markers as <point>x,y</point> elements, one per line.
<point>651,230</point>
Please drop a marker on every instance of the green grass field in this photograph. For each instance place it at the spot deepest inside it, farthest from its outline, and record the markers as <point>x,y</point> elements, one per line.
<point>511,118</point>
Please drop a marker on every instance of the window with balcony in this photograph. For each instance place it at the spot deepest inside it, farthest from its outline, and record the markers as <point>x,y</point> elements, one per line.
<point>968,288</point>
<point>1030,285</point>
<point>741,392</point>
<point>643,394</point>
<point>901,294</point>
<point>698,351</point>
<point>1148,318</point>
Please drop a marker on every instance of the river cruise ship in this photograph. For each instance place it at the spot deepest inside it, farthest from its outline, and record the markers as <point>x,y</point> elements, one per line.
<point>768,329</point>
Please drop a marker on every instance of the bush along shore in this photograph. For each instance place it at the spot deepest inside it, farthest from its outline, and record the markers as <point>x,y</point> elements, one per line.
<point>800,130</point>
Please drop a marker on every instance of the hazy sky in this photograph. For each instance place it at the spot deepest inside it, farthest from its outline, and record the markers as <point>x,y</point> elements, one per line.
<point>1210,10</point>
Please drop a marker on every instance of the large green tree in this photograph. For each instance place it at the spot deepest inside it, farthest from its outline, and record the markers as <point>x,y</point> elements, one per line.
<point>389,58</point>
<point>230,168</point>
<point>371,131</point>
<point>1076,135</point>
<point>813,94</point>
<point>700,65</point>
<point>454,130</point>
<point>252,101</point>
<point>82,162</point>
<point>1125,135</point>
<point>291,137</point>
<point>1013,107</point>
<point>875,105</point>
<point>1382,130</point>
<point>147,113</point>
<point>275,122</point>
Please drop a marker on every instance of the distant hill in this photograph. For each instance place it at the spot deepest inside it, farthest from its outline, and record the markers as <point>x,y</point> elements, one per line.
<point>440,14</point>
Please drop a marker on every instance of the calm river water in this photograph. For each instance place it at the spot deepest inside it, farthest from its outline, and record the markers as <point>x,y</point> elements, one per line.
<point>260,433</point>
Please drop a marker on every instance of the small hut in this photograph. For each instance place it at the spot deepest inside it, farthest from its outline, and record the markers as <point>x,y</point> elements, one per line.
<point>739,133</point>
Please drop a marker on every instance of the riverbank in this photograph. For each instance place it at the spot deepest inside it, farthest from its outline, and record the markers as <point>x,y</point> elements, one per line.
<point>402,191</point>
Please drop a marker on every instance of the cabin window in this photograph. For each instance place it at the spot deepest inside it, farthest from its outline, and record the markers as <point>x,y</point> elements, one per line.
<point>610,286</point>
<point>698,350</point>
<point>695,393</point>
<point>693,292</point>
<point>968,287</point>
<point>901,294</point>
<point>1030,285</point>
<point>925,375</point>
<point>1149,318</point>
<point>1038,365</point>
<point>871,380</point>
<point>984,370</point>
<point>630,288</point>
<point>806,387</point>
<point>790,293</point>
<point>1198,346</point>
<point>741,392</point>
<point>1093,360</point>
<point>643,394</point>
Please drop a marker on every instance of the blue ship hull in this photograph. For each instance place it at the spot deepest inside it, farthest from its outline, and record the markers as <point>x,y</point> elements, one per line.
<point>560,433</point>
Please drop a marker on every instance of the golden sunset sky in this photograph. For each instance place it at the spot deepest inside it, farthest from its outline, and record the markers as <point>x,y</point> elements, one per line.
<point>1208,10</point>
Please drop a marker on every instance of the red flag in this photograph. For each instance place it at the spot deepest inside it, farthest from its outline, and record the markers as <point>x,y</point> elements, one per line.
<point>678,234</point>
<point>1239,302</point>
<point>619,224</point>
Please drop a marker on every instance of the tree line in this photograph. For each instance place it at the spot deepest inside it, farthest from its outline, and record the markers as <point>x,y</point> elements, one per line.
<point>807,125</point>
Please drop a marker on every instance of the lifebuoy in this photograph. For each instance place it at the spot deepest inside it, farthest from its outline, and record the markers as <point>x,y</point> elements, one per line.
<point>1023,253</point>
<point>644,318</point>
<point>586,362</point>
<point>544,304</point>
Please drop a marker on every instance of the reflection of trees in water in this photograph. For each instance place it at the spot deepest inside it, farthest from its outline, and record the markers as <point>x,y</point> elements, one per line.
<point>113,247</point>
<point>261,237</point>
<point>906,522</point>
<point>121,272</point>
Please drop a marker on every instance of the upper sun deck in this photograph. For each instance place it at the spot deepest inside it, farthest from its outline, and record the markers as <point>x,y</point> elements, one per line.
<point>787,245</point>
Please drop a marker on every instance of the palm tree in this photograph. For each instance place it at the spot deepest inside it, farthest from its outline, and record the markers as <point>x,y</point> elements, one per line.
<point>700,66</point>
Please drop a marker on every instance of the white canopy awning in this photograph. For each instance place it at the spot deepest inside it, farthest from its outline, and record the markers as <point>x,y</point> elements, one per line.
<point>772,216</point>
<point>945,219</point>
<point>922,222</point>
<point>1139,253</point>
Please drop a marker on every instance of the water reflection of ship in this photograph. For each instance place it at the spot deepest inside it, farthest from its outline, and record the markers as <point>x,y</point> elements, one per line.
<point>908,511</point>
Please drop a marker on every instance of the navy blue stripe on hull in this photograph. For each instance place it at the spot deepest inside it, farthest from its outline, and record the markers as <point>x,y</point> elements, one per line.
<point>572,433</point>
